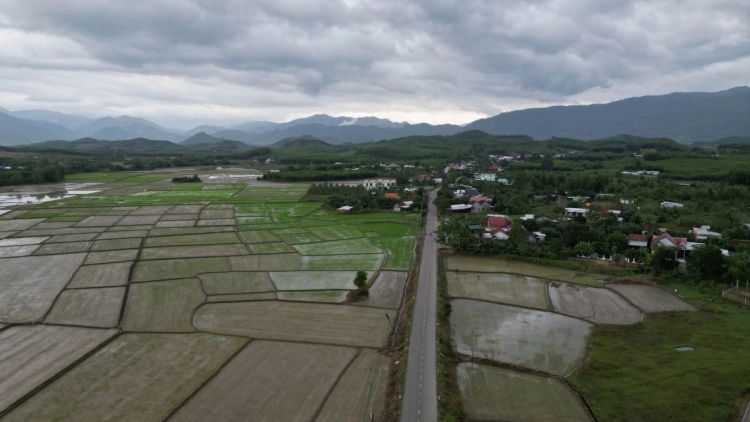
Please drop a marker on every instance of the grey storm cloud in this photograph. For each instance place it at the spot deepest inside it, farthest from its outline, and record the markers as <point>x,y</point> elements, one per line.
<point>475,56</point>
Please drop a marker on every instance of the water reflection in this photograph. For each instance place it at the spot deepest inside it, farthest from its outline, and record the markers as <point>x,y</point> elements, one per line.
<point>21,195</point>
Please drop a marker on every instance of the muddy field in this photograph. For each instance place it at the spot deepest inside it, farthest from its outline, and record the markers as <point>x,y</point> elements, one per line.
<point>600,306</point>
<point>137,377</point>
<point>537,340</point>
<point>33,354</point>
<point>269,381</point>
<point>315,323</point>
<point>509,289</point>
<point>495,265</point>
<point>30,285</point>
<point>498,394</point>
<point>650,298</point>
<point>88,307</point>
<point>386,291</point>
<point>163,306</point>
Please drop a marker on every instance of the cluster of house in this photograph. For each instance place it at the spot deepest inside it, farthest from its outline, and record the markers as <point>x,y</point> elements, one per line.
<point>380,183</point>
<point>681,244</point>
<point>460,166</point>
<point>498,227</point>
<point>478,203</point>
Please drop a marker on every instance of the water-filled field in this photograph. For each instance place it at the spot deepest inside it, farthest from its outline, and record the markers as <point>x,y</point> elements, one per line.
<point>152,298</point>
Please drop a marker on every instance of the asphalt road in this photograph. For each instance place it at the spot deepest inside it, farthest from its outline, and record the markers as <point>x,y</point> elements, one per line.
<point>420,394</point>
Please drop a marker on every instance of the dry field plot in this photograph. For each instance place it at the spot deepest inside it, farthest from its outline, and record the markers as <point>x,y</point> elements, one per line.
<point>361,390</point>
<point>600,306</point>
<point>136,377</point>
<point>269,382</point>
<point>242,297</point>
<point>498,394</point>
<point>178,268</point>
<point>494,265</point>
<point>30,355</point>
<point>650,298</point>
<point>315,280</point>
<point>386,291</point>
<point>261,236</point>
<point>88,307</point>
<point>29,285</point>
<point>16,251</point>
<point>172,252</point>
<point>111,256</point>
<point>510,289</point>
<point>236,282</point>
<point>319,296</point>
<point>538,340</point>
<point>23,241</point>
<point>103,275</point>
<point>163,306</point>
<point>307,322</point>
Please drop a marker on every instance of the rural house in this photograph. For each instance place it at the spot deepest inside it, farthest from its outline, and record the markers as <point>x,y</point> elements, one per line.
<point>345,209</point>
<point>627,201</point>
<point>703,233</point>
<point>577,212</point>
<point>403,206</point>
<point>379,183</point>
<point>460,208</point>
<point>637,241</point>
<point>669,204</point>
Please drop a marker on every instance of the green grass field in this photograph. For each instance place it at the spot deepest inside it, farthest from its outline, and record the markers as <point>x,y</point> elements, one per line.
<point>400,251</point>
<point>634,373</point>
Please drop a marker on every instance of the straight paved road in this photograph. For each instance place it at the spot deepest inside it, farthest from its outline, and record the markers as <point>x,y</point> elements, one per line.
<point>420,394</point>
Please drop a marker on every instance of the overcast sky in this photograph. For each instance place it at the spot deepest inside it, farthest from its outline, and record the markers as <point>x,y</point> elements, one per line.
<point>186,62</point>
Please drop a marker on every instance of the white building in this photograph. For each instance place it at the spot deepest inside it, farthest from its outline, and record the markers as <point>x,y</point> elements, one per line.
<point>577,212</point>
<point>379,183</point>
<point>703,233</point>
<point>668,204</point>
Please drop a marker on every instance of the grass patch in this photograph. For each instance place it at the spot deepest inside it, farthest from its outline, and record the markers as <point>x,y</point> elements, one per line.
<point>400,251</point>
<point>634,373</point>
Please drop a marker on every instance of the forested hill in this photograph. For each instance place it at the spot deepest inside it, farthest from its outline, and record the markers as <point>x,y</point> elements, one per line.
<point>684,117</point>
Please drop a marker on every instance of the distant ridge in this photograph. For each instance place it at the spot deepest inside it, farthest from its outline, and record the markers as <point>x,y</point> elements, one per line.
<point>201,138</point>
<point>301,142</point>
<point>686,117</point>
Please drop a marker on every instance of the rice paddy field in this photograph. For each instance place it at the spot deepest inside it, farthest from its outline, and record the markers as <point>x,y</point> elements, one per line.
<point>147,300</point>
<point>546,344</point>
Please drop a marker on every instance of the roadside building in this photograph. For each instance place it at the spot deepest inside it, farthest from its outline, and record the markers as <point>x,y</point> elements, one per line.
<point>577,212</point>
<point>703,233</point>
<point>461,208</point>
<point>346,209</point>
<point>403,206</point>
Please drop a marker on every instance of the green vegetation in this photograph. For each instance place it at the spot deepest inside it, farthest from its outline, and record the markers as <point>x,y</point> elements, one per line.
<point>187,179</point>
<point>635,373</point>
<point>360,280</point>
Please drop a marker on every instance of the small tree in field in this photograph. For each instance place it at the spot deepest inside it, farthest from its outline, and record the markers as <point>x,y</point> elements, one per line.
<point>361,282</point>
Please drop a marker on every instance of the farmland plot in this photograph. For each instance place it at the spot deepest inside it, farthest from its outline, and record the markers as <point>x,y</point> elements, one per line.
<point>400,251</point>
<point>537,340</point>
<point>192,239</point>
<point>178,268</point>
<point>337,232</point>
<point>21,241</point>
<point>242,297</point>
<point>138,377</point>
<point>63,248</point>
<point>173,231</point>
<point>236,282</point>
<point>115,244</point>
<point>650,298</point>
<point>307,322</point>
<point>274,247</point>
<point>315,280</point>
<point>360,391</point>
<point>269,382</point>
<point>261,236</point>
<point>510,289</point>
<point>29,285</point>
<point>499,394</point>
<point>271,262</point>
<point>386,291</point>
<point>387,229</point>
<point>121,234</point>
<point>88,307</point>
<point>301,237</point>
<point>494,265</point>
<point>172,252</point>
<point>600,306</point>
<point>16,251</point>
<point>163,306</point>
<point>338,247</point>
<point>98,221</point>
<point>111,256</point>
<point>321,296</point>
<point>103,275</point>
<point>364,262</point>
<point>20,224</point>
<point>33,354</point>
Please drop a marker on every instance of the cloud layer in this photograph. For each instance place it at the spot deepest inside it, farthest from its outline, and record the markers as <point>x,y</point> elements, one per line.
<point>187,61</point>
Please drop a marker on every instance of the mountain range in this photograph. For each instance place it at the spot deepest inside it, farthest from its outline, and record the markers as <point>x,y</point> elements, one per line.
<point>685,117</point>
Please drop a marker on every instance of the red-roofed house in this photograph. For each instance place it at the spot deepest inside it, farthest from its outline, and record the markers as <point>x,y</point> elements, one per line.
<point>494,168</point>
<point>668,241</point>
<point>637,240</point>
<point>474,199</point>
<point>497,221</point>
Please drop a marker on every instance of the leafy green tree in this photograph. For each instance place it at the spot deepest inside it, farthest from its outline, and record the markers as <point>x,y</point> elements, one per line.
<point>706,263</point>
<point>584,248</point>
<point>360,280</point>
<point>665,259</point>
